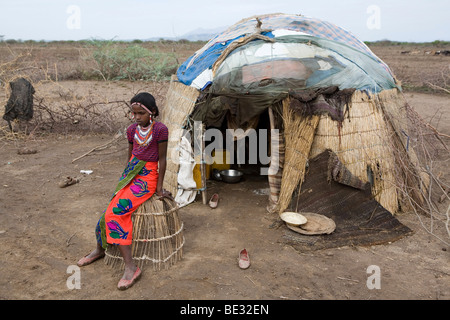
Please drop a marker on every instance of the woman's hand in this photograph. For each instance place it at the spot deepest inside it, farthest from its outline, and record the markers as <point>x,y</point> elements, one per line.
<point>163,193</point>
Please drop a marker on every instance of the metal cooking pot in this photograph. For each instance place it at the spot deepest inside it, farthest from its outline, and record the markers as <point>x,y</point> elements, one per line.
<point>216,174</point>
<point>231,176</point>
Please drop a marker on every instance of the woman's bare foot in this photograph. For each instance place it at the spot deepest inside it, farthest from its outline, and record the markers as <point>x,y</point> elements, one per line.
<point>132,273</point>
<point>125,283</point>
<point>96,254</point>
<point>129,272</point>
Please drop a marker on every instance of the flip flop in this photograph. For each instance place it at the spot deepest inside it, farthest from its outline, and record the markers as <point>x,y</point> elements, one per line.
<point>85,260</point>
<point>68,182</point>
<point>214,201</point>
<point>125,284</point>
<point>244,260</point>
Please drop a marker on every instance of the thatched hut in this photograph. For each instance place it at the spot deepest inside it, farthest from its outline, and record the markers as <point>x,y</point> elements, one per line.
<point>319,86</point>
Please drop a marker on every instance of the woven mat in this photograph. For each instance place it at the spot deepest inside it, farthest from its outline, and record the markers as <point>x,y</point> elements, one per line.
<point>360,220</point>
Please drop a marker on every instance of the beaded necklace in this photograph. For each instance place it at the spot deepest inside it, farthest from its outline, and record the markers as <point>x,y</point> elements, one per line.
<point>143,136</point>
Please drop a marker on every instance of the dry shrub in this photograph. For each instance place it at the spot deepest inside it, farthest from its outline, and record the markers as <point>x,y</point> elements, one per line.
<point>441,83</point>
<point>69,112</point>
<point>433,155</point>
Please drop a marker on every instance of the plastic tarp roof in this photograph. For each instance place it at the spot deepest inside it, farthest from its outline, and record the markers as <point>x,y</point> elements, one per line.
<point>304,53</point>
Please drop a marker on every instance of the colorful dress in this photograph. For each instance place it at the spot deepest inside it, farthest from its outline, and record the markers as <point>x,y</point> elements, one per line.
<point>136,185</point>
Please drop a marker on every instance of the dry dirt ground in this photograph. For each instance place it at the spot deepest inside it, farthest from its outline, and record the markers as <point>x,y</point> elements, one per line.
<point>45,229</point>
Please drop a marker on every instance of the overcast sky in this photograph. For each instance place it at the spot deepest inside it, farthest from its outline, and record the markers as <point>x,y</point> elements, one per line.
<point>399,20</point>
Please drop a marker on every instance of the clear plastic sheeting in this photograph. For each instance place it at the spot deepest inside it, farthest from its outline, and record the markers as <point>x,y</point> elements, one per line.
<point>335,53</point>
<point>296,63</point>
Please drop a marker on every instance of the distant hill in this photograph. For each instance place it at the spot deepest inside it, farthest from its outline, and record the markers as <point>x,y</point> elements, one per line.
<point>199,34</point>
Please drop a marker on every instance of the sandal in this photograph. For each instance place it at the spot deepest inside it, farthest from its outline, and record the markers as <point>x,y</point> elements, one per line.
<point>214,201</point>
<point>244,260</point>
<point>68,182</point>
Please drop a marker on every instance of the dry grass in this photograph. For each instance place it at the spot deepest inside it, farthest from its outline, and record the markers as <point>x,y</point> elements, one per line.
<point>361,144</point>
<point>417,65</point>
<point>298,138</point>
<point>59,61</point>
<point>180,102</point>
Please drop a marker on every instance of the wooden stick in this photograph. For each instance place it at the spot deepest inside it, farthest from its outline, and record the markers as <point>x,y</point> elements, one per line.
<point>203,168</point>
<point>98,148</point>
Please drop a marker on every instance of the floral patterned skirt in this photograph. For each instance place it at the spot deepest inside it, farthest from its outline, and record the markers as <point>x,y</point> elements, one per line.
<point>136,185</point>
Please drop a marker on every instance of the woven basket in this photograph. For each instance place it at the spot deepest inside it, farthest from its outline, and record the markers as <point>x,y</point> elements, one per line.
<point>157,236</point>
